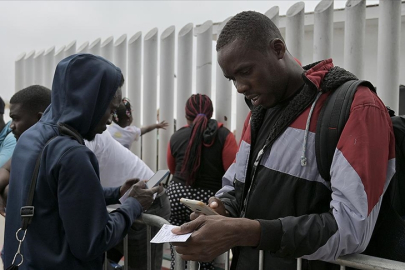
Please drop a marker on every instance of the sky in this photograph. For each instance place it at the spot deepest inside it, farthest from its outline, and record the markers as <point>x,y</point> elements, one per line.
<point>37,25</point>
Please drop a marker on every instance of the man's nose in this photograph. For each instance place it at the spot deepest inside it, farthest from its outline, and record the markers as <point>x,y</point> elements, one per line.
<point>240,87</point>
<point>12,126</point>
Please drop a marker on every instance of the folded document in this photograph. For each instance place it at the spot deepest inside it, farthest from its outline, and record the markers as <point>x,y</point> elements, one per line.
<point>165,235</point>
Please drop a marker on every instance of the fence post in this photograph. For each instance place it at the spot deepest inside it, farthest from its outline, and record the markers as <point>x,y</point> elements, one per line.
<point>58,56</point>
<point>166,92</point>
<point>204,58</point>
<point>29,69</point>
<point>354,36</point>
<point>134,89</point>
<point>19,73</point>
<point>120,59</point>
<point>49,66</point>
<point>389,39</point>
<point>223,92</point>
<point>150,96</point>
<point>39,67</point>
<point>294,30</point>
<point>323,30</point>
<point>84,48</point>
<point>94,47</point>
<point>70,49</point>
<point>106,49</point>
<point>184,72</point>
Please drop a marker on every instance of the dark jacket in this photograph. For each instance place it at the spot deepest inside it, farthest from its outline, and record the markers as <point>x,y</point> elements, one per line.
<point>217,154</point>
<point>301,214</point>
<point>71,228</point>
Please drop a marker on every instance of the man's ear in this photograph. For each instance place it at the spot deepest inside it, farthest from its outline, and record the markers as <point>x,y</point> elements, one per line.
<point>39,115</point>
<point>278,47</point>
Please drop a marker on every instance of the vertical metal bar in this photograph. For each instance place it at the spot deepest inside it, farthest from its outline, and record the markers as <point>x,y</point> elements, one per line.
<point>120,59</point>
<point>273,15</point>
<point>69,49</point>
<point>134,79</point>
<point>39,67</point>
<point>227,260</point>
<point>261,260</point>
<point>148,247</point>
<point>223,92</point>
<point>94,47</point>
<point>184,72</point>
<point>294,30</point>
<point>388,59</point>
<point>166,91</point>
<point>204,58</point>
<point>126,252</point>
<point>19,72</point>
<point>355,25</point>
<point>179,263</point>
<point>106,49</point>
<point>323,30</point>
<point>342,267</point>
<point>299,263</point>
<point>29,69</point>
<point>192,265</point>
<point>105,261</point>
<point>150,73</point>
<point>48,67</point>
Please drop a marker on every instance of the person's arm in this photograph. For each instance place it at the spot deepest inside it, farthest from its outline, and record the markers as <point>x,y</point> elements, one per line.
<point>4,180</point>
<point>161,125</point>
<point>89,228</point>
<point>7,149</point>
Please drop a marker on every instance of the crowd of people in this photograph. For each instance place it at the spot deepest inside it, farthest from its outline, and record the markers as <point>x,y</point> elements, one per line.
<point>75,141</point>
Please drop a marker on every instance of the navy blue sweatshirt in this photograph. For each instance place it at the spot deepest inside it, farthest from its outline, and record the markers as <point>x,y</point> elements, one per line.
<point>71,228</point>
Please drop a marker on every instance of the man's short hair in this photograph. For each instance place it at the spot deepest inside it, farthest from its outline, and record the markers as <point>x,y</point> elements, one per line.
<point>253,28</point>
<point>34,98</point>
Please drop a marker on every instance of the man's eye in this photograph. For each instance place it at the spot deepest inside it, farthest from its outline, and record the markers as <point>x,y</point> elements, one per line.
<point>245,72</point>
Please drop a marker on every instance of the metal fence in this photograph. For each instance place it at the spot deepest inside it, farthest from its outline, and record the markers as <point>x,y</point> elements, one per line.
<point>357,261</point>
<point>363,40</point>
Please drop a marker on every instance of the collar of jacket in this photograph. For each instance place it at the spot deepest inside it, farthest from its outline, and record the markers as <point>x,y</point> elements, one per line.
<point>67,130</point>
<point>325,76</point>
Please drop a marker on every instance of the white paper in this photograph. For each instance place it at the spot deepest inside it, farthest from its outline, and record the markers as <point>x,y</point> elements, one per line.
<point>165,235</point>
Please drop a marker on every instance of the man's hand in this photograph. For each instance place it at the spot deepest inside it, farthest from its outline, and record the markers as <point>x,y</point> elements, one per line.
<point>143,195</point>
<point>216,204</point>
<point>127,185</point>
<point>162,125</point>
<point>214,235</point>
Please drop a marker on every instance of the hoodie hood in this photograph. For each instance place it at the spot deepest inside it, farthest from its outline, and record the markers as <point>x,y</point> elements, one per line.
<point>82,89</point>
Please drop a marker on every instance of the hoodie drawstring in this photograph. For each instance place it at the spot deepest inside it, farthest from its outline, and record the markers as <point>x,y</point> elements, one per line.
<point>304,144</point>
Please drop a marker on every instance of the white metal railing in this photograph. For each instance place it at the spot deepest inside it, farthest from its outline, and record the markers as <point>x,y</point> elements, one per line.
<point>357,261</point>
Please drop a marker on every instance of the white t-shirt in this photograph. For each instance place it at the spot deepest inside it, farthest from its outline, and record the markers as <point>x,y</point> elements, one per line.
<point>125,136</point>
<point>117,164</point>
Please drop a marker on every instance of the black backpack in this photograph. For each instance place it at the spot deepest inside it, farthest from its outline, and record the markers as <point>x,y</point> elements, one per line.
<point>388,238</point>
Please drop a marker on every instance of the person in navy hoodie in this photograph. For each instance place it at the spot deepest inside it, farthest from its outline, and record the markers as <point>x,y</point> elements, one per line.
<point>71,228</point>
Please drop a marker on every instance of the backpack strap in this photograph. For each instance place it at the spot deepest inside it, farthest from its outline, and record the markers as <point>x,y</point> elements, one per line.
<point>331,121</point>
<point>27,211</point>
